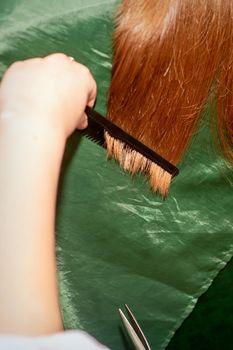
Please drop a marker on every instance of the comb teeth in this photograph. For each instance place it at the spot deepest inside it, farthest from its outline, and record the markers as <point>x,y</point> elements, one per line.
<point>94,132</point>
<point>133,162</point>
<point>97,127</point>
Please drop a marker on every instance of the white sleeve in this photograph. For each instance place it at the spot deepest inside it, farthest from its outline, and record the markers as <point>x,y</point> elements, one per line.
<point>68,340</point>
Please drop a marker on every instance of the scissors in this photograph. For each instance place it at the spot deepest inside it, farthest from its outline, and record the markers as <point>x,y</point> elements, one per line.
<point>134,330</point>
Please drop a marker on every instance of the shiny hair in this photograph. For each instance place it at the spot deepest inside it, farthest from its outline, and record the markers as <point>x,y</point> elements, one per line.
<point>168,56</point>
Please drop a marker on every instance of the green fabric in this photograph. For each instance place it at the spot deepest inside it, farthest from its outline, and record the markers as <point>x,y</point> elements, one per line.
<point>210,324</point>
<point>117,242</point>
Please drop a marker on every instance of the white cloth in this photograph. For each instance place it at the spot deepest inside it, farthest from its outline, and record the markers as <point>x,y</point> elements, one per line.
<point>68,340</point>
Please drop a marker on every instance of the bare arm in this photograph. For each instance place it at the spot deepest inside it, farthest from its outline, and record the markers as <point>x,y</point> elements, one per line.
<point>41,101</point>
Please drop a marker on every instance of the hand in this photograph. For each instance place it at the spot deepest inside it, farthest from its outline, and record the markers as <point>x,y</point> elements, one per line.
<point>53,90</point>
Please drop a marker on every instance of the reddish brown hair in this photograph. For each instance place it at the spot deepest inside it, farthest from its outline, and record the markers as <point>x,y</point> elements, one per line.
<point>167,56</point>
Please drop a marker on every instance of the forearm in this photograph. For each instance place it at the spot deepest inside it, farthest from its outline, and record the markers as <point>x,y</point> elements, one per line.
<point>31,148</point>
<point>30,159</point>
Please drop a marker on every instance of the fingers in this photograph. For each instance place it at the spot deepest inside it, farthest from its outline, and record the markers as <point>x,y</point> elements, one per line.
<point>81,69</point>
<point>61,89</point>
<point>92,92</point>
<point>90,102</point>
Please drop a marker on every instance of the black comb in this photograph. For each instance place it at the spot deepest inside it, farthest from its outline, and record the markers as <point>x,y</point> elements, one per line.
<point>97,125</point>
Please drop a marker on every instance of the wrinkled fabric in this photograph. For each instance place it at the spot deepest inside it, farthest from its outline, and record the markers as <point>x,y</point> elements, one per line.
<point>117,242</point>
<point>209,326</point>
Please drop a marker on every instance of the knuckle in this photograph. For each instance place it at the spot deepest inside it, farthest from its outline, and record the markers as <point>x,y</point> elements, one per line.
<point>59,57</point>
<point>85,70</point>
<point>15,65</point>
<point>94,86</point>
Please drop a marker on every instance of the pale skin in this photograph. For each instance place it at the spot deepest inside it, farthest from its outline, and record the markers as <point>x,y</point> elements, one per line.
<point>42,101</point>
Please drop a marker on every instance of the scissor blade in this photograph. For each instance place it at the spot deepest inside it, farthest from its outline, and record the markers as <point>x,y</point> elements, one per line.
<point>135,339</point>
<point>137,328</point>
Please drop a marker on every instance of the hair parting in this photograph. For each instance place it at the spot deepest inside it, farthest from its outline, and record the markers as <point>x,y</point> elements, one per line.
<point>167,56</point>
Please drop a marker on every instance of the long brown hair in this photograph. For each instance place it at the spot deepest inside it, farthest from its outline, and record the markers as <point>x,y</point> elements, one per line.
<point>167,56</point>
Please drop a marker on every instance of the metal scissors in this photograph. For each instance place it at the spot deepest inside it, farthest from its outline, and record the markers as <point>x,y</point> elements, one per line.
<point>134,330</point>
